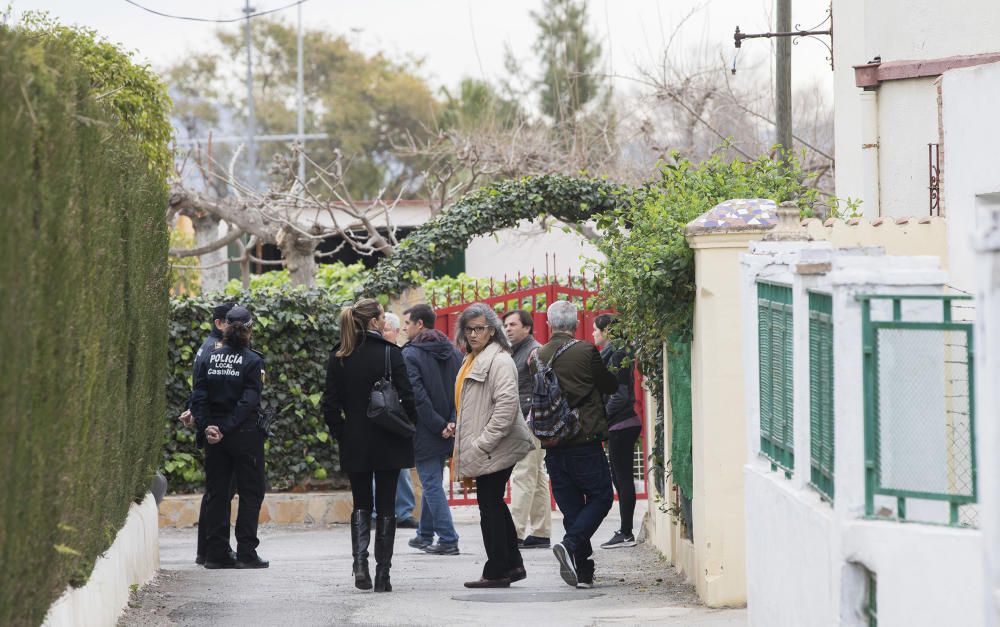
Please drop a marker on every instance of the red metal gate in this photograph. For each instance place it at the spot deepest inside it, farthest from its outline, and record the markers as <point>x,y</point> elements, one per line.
<point>533,294</point>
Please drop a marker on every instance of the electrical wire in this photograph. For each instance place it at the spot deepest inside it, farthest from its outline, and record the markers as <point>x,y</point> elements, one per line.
<point>215,21</point>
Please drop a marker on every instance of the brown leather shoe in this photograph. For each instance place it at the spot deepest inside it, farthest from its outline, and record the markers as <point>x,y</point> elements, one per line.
<point>516,574</point>
<point>482,582</point>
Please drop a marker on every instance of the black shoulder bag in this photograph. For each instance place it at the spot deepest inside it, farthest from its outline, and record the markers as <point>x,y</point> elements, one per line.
<point>384,408</point>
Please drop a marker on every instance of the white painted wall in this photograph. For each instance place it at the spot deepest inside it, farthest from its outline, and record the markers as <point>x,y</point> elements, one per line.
<point>133,559</point>
<point>524,249</point>
<point>988,398</point>
<point>801,550</point>
<point>907,122</point>
<point>927,29</point>
<point>971,127</point>
<point>906,118</point>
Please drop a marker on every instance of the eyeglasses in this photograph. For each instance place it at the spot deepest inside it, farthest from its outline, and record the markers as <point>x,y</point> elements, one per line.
<point>475,330</point>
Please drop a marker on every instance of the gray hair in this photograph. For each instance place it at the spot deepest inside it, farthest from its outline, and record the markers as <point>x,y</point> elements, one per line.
<point>476,310</point>
<point>392,321</point>
<point>562,316</point>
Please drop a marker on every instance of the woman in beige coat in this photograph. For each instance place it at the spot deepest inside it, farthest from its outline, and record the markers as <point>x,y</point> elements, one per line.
<point>490,437</point>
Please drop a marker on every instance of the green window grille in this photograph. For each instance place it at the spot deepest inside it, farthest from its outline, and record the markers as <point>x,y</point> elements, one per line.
<point>919,409</point>
<point>821,393</point>
<point>774,318</point>
<point>871,598</point>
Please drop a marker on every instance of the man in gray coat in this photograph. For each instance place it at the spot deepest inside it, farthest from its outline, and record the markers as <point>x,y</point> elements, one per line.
<point>530,503</point>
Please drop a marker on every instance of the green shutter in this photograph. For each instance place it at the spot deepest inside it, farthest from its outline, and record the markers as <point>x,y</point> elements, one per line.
<point>821,393</point>
<point>774,315</point>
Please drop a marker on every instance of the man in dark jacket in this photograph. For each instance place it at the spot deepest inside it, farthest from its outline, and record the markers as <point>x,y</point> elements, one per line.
<point>530,504</point>
<point>578,467</point>
<point>432,363</point>
<point>213,341</point>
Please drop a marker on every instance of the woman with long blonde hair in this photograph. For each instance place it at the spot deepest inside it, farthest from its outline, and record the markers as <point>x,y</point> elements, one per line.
<point>368,451</point>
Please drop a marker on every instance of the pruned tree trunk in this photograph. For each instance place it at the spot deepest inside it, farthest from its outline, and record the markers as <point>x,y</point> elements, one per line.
<point>213,275</point>
<point>300,257</point>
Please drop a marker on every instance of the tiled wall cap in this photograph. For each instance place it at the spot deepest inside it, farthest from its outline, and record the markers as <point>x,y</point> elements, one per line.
<point>924,220</point>
<point>854,221</point>
<point>830,221</point>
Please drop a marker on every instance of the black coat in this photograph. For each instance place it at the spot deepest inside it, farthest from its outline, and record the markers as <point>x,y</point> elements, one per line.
<point>365,447</point>
<point>619,405</point>
<point>433,363</point>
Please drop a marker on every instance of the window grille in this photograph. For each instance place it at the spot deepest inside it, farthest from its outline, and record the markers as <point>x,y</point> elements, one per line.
<point>920,461</point>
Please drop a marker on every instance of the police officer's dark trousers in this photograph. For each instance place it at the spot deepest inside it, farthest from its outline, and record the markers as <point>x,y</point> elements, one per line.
<point>240,453</point>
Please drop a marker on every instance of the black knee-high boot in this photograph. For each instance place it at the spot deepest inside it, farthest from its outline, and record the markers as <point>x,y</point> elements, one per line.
<point>385,536</point>
<point>361,528</point>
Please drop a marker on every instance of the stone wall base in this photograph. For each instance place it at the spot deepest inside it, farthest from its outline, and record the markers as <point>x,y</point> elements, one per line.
<point>282,508</point>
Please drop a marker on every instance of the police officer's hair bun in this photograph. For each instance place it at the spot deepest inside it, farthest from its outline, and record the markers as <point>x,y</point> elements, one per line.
<point>237,335</point>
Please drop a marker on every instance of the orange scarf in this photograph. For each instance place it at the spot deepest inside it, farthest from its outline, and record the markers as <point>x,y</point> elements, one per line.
<point>459,382</point>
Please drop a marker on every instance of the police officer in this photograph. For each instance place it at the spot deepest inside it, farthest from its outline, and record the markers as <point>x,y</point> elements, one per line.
<point>213,341</point>
<point>226,398</point>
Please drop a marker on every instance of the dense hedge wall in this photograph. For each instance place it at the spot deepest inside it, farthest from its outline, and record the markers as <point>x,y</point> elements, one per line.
<point>295,328</point>
<point>83,308</point>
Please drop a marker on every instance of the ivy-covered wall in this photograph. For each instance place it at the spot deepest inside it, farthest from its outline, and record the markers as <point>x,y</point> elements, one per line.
<point>83,304</point>
<point>295,328</point>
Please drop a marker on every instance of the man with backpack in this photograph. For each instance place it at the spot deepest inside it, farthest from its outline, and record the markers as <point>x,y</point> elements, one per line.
<point>568,417</point>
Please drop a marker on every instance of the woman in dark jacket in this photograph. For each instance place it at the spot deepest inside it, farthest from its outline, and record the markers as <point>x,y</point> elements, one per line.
<point>624,427</point>
<point>366,450</point>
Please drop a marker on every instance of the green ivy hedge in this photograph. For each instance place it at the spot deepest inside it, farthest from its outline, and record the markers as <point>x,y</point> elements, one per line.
<point>497,206</point>
<point>83,304</point>
<point>295,328</point>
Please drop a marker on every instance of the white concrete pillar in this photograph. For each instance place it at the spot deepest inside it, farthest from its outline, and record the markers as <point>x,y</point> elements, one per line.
<point>987,399</point>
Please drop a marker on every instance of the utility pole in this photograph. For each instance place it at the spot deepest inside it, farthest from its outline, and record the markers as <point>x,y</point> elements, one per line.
<point>783,80</point>
<point>251,121</point>
<point>301,122</point>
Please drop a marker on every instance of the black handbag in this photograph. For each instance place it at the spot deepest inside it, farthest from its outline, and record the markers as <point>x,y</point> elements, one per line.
<point>384,408</point>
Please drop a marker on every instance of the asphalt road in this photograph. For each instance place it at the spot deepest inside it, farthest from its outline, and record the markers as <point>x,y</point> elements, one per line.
<point>309,583</point>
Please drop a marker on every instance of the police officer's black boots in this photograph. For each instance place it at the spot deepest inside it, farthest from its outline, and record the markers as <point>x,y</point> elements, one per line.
<point>361,533</point>
<point>385,535</point>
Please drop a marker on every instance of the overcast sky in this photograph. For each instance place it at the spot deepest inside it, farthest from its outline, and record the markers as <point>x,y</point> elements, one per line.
<point>459,38</point>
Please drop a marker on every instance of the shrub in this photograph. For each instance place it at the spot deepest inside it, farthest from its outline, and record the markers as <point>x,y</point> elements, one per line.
<point>82,301</point>
<point>648,275</point>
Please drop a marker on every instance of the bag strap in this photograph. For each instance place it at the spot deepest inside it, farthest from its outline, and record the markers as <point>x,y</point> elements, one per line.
<point>388,370</point>
<point>562,349</point>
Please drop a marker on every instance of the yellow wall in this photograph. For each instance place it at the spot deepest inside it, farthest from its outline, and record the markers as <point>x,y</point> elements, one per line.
<point>718,421</point>
<point>903,236</point>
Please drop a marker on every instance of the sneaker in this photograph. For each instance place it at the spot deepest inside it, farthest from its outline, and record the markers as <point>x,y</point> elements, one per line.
<point>584,582</point>
<point>408,523</point>
<point>536,542</point>
<point>442,549</point>
<point>619,540</point>
<point>567,564</point>
<point>420,542</point>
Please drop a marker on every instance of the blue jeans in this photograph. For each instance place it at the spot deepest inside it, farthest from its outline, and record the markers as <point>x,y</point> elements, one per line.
<point>435,514</point>
<point>405,501</point>
<point>581,485</point>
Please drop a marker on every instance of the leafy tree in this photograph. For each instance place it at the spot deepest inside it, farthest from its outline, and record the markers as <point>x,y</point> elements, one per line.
<point>367,104</point>
<point>569,56</point>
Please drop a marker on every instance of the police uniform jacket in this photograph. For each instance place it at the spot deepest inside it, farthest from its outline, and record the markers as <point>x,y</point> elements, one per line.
<point>212,342</point>
<point>227,388</point>
<point>365,447</point>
